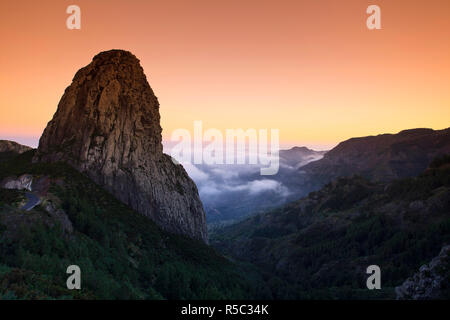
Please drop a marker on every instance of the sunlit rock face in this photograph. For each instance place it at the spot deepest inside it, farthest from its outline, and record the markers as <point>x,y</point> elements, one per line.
<point>107,126</point>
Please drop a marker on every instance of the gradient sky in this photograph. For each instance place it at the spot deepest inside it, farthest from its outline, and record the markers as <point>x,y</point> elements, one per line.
<point>309,68</point>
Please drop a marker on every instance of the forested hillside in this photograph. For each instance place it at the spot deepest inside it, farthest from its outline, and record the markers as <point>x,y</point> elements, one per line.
<point>122,254</point>
<point>321,245</point>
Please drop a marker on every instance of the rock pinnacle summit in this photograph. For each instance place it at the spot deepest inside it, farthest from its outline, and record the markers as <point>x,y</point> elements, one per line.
<point>107,126</point>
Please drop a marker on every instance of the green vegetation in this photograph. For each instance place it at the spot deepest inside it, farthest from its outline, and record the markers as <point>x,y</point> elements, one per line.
<point>10,196</point>
<point>315,248</point>
<point>122,255</point>
<point>320,246</point>
<point>440,161</point>
<point>8,155</point>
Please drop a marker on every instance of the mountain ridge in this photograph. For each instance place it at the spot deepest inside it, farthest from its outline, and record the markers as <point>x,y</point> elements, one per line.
<point>382,157</point>
<point>12,147</point>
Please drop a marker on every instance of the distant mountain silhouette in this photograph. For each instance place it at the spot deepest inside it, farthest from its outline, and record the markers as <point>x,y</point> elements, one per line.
<point>379,158</point>
<point>11,148</point>
<point>240,190</point>
<point>297,157</point>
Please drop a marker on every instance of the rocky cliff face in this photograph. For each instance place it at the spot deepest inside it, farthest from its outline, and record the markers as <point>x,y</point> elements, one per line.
<point>107,126</point>
<point>431,282</point>
<point>24,182</point>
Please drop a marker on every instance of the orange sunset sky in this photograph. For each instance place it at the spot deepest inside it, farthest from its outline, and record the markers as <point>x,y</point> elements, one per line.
<point>310,68</point>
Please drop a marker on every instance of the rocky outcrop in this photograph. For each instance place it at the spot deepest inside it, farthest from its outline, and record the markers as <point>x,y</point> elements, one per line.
<point>15,220</point>
<point>58,215</point>
<point>11,146</point>
<point>431,282</point>
<point>24,182</point>
<point>107,126</point>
